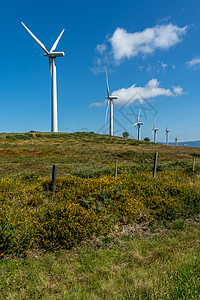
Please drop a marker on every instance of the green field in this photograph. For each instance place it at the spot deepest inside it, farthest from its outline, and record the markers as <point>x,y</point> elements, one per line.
<point>97,237</point>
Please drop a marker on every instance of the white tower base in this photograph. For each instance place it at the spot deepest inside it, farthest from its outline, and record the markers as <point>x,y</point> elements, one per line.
<point>111,117</point>
<point>54,113</point>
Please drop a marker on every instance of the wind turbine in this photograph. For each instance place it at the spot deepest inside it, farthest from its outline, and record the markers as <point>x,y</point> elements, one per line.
<point>52,65</point>
<point>155,131</point>
<point>167,136</point>
<point>176,141</point>
<point>138,124</point>
<point>109,99</point>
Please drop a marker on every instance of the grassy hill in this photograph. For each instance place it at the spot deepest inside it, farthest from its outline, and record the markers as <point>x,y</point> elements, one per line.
<point>86,153</point>
<point>97,237</point>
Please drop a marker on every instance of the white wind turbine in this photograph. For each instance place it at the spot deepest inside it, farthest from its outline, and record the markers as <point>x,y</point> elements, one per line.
<point>138,124</point>
<point>176,141</point>
<point>155,132</point>
<point>52,65</point>
<point>167,136</point>
<point>109,99</point>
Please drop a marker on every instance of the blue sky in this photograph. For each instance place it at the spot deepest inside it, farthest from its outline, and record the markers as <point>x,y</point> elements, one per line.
<point>151,50</point>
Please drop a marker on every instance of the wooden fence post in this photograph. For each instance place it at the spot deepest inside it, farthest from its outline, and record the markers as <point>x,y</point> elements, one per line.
<point>54,176</point>
<point>193,165</point>
<point>155,164</point>
<point>116,164</point>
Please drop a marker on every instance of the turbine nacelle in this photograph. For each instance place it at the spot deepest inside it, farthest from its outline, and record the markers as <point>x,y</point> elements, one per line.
<point>55,54</point>
<point>138,124</point>
<point>111,97</point>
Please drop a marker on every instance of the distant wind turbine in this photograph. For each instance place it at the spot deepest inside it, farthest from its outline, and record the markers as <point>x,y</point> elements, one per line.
<point>167,136</point>
<point>138,124</point>
<point>109,101</point>
<point>52,65</point>
<point>176,141</point>
<point>155,132</point>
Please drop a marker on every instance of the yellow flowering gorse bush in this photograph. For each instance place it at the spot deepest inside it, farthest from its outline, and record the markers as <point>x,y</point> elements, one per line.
<point>31,215</point>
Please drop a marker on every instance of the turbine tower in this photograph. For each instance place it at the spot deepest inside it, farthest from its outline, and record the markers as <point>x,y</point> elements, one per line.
<point>176,141</point>
<point>167,136</point>
<point>138,124</point>
<point>155,132</point>
<point>52,65</point>
<point>109,99</point>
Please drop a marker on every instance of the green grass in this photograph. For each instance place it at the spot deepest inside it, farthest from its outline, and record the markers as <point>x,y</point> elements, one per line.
<point>164,264</point>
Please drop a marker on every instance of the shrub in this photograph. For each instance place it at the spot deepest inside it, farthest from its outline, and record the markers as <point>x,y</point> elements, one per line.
<point>146,139</point>
<point>65,224</point>
<point>25,136</point>
<point>125,134</point>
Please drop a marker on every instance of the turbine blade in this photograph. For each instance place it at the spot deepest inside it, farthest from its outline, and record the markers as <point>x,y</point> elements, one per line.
<point>108,92</point>
<point>56,42</point>
<point>106,111</point>
<point>36,39</point>
<point>139,114</point>
<point>134,124</point>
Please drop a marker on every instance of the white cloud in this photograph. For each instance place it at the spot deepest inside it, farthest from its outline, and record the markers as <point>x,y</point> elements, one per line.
<point>126,45</point>
<point>178,90</point>
<point>101,48</point>
<point>126,96</point>
<point>98,104</point>
<point>123,44</point>
<point>151,90</point>
<point>194,63</point>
